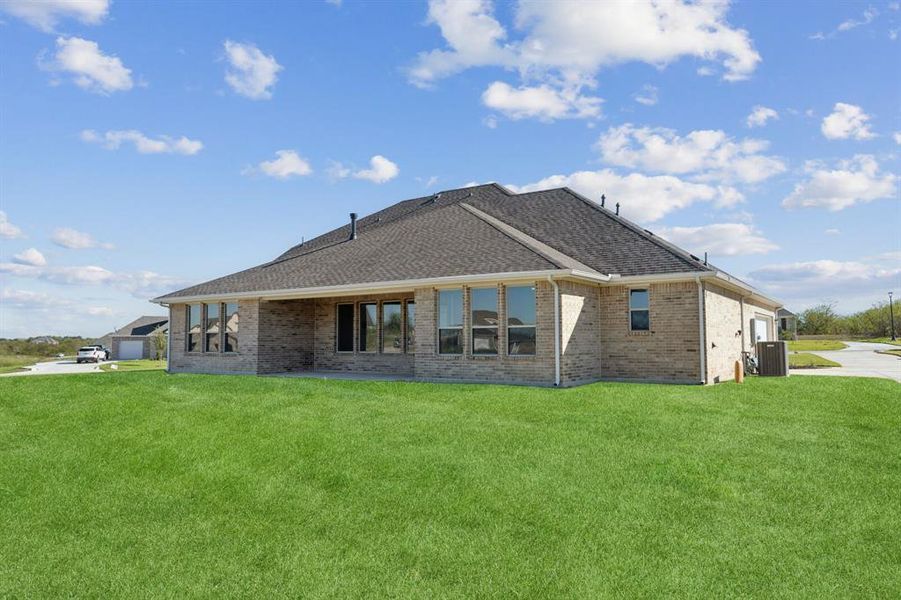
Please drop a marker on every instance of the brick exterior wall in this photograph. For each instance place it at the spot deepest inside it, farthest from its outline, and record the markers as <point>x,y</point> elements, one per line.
<point>580,333</point>
<point>244,361</point>
<point>723,331</point>
<point>668,352</point>
<point>285,336</point>
<point>326,356</point>
<point>596,341</point>
<point>537,369</point>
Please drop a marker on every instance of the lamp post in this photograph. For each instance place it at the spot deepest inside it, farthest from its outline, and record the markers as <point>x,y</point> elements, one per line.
<point>891,311</point>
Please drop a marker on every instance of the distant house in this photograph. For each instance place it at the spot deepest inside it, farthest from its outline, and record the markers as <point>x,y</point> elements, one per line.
<point>135,340</point>
<point>44,339</point>
<point>788,324</point>
<point>476,284</point>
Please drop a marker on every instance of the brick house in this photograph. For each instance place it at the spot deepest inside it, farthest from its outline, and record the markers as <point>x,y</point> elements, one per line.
<point>475,284</point>
<point>135,340</point>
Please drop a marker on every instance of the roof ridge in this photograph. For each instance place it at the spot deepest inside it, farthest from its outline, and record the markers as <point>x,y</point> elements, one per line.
<point>540,248</point>
<point>668,246</point>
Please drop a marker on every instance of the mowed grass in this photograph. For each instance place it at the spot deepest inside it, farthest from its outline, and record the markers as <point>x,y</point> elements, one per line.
<point>805,360</point>
<point>10,363</point>
<point>144,364</point>
<point>814,345</point>
<point>151,485</point>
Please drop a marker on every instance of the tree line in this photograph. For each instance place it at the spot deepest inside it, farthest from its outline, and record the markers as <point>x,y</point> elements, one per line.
<point>873,322</point>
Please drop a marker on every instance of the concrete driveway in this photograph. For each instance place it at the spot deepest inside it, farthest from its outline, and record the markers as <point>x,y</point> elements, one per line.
<point>57,367</point>
<point>859,359</point>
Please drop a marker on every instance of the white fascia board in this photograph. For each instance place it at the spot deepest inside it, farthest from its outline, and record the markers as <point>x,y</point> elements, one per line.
<point>382,286</point>
<point>719,277</point>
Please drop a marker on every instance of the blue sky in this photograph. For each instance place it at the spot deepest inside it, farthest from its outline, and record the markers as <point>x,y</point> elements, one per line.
<point>145,147</point>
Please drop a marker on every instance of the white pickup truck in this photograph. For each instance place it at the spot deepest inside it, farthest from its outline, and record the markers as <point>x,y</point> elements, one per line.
<point>94,354</point>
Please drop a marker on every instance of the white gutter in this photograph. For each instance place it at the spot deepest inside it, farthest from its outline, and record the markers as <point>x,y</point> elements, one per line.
<point>168,340</point>
<point>386,286</point>
<point>720,278</point>
<point>556,330</point>
<point>703,340</point>
<point>741,327</point>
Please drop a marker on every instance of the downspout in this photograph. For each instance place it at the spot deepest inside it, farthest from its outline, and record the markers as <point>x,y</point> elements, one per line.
<point>702,337</point>
<point>741,325</point>
<point>169,340</point>
<point>556,330</point>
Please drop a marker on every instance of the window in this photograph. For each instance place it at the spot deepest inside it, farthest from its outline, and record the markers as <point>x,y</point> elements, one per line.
<point>411,326</point>
<point>345,328</point>
<point>392,323</point>
<point>231,327</point>
<point>639,313</point>
<point>211,339</point>
<point>521,320</point>
<point>193,328</point>
<point>369,327</point>
<point>483,307</point>
<point>450,321</point>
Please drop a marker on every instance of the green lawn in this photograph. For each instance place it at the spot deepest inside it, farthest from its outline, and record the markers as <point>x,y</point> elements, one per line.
<point>885,340</point>
<point>10,363</point>
<point>805,360</point>
<point>892,352</point>
<point>150,485</point>
<point>134,365</point>
<point>814,345</point>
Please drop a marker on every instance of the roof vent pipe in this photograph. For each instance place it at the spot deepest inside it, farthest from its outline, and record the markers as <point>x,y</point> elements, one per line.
<point>705,258</point>
<point>603,199</point>
<point>353,226</point>
<point>617,208</point>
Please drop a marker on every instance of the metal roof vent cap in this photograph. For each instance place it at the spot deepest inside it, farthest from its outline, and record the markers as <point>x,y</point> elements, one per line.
<point>353,226</point>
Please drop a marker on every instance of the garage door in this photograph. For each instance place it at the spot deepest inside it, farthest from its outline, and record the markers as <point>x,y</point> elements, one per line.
<point>131,349</point>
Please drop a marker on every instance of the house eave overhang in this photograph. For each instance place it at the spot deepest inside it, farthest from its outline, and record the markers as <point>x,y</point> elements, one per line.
<point>385,287</point>
<point>720,278</point>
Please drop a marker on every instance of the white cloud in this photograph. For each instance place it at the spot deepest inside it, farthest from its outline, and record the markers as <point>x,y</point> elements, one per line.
<point>76,240</point>
<point>830,279</point>
<point>565,44</point>
<point>643,198</point>
<point>708,154</point>
<point>572,41</point>
<point>491,122</point>
<point>428,182</point>
<point>380,170</point>
<point>140,284</point>
<point>164,144</point>
<point>866,18</point>
<point>8,231</point>
<point>40,301</point>
<point>45,14</point>
<point>90,68</point>
<point>760,115</point>
<point>847,121</point>
<point>897,137</point>
<point>720,239</point>
<point>855,180</point>
<point>288,164</point>
<point>541,102</point>
<point>251,73</point>
<point>30,256</point>
<point>647,95</point>
<point>833,231</point>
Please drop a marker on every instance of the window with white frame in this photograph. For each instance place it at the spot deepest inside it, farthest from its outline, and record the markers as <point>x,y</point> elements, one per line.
<point>450,321</point>
<point>521,320</point>
<point>639,310</point>
<point>484,320</point>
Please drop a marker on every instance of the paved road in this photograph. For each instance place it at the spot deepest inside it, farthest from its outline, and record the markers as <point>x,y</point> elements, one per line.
<point>859,359</point>
<point>55,367</point>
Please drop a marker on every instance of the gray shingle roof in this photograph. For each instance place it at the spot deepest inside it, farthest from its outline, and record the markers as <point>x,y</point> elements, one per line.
<point>434,236</point>
<point>145,325</point>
